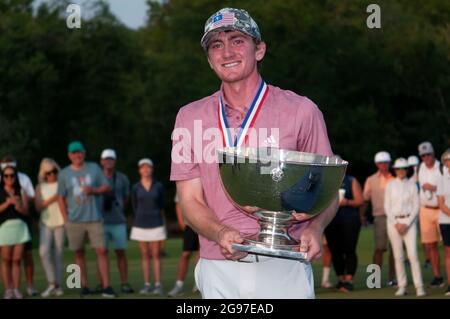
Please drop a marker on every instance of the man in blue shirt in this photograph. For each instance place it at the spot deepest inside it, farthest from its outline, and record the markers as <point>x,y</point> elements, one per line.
<point>114,219</point>
<point>79,188</point>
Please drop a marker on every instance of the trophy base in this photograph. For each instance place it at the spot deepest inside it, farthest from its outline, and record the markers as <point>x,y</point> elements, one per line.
<point>278,251</point>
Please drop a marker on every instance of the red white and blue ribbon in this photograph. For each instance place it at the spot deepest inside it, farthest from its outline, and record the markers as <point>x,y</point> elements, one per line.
<point>249,120</point>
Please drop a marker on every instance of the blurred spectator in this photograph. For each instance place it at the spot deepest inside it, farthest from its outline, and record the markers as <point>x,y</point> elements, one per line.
<point>27,187</point>
<point>443,194</point>
<point>79,186</point>
<point>114,220</point>
<point>14,232</point>
<point>52,235</point>
<point>428,176</point>
<point>413,162</point>
<point>190,245</point>
<point>374,189</point>
<point>413,165</point>
<point>326,263</point>
<point>343,232</point>
<point>147,198</point>
<point>401,204</point>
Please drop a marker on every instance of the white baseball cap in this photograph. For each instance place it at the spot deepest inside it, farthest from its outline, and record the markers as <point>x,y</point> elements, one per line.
<point>108,153</point>
<point>8,164</point>
<point>400,163</point>
<point>382,157</point>
<point>425,148</point>
<point>145,161</point>
<point>413,160</point>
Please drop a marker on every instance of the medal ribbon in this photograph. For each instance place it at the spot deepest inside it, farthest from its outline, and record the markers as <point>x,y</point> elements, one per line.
<point>248,122</point>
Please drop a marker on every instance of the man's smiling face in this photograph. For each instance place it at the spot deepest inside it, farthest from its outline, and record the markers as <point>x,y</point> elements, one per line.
<point>233,55</point>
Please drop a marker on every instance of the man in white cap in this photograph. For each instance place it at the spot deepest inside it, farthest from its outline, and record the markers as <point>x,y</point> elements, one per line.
<point>374,189</point>
<point>114,220</point>
<point>428,176</point>
<point>234,48</point>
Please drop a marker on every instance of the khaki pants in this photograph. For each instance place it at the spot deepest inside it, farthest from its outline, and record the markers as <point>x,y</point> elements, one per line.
<point>429,225</point>
<point>77,233</point>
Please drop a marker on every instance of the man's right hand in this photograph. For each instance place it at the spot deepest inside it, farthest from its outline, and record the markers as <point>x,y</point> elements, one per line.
<point>226,237</point>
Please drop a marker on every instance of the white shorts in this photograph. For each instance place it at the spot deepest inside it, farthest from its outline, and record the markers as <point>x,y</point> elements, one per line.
<point>148,234</point>
<point>267,278</point>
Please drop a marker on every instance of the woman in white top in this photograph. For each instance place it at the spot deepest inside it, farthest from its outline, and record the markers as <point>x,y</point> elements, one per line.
<point>51,226</point>
<point>401,204</point>
<point>443,195</point>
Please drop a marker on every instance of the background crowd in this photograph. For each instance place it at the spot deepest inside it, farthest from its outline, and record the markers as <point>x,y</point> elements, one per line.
<point>84,201</point>
<point>417,193</point>
<point>87,201</point>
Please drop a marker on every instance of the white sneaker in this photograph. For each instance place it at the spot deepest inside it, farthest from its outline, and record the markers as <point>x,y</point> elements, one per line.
<point>8,294</point>
<point>401,291</point>
<point>58,292</point>
<point>17,294</point>
<point>146,290</point>
<point>158,290</point>
<point>178,290</point>
<point>420,292</point>
<point>48,292</point>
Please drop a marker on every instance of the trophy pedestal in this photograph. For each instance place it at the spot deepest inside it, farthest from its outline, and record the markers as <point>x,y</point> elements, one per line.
<point>273,239</point>
<point>289,252</point>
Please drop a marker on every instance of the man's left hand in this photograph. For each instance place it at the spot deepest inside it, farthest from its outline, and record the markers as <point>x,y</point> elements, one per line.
<point>310,242</point>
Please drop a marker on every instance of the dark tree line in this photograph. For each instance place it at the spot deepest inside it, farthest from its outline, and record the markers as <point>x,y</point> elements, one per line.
<point>110,86</point>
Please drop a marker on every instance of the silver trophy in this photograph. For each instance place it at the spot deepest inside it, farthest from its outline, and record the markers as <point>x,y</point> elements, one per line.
<point>278,183</point>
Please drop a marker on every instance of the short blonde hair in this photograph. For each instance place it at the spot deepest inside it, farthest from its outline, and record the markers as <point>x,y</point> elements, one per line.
<point>47,164</point>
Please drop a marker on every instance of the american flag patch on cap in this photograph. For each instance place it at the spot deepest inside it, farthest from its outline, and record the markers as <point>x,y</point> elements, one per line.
<point>222,19</point>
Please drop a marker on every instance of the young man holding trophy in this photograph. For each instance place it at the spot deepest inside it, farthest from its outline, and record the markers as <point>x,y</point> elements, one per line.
<point>234,48</point>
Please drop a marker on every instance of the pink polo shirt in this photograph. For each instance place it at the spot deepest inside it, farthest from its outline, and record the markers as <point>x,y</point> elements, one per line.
<point>301,127</point>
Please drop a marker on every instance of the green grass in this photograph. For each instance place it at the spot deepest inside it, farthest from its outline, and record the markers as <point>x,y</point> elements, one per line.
<point>170,263</point>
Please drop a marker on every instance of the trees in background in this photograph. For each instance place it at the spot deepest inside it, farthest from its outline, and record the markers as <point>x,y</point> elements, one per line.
<point>110,86</point>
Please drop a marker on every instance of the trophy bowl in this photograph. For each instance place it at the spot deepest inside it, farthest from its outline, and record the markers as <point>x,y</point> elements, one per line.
<point>278,183</point>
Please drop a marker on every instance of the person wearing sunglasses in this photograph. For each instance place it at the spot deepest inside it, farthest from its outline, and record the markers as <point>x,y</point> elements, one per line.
<point>14,231</point>
<point>428,176</point>
<point>51,243</point>
<point>27,186</point>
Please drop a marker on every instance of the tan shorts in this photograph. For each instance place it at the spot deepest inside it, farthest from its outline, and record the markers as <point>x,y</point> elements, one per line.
<point>380,230</point>
<point>77,233</point>
<point>429,225</point>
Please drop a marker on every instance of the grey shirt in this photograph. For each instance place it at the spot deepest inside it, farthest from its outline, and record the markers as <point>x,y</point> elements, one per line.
<point>113,208</point>
<point>81,207</point>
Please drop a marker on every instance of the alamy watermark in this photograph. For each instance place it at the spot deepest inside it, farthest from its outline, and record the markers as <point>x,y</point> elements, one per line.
<point>73,281</point>
<point>374,19</point>
<point>374,279</point>
<point>73,20</point>
<point>200,145</point>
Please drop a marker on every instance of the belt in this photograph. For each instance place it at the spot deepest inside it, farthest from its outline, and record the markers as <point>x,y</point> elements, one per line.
<point>402,216</point>
<point>431,207</point>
